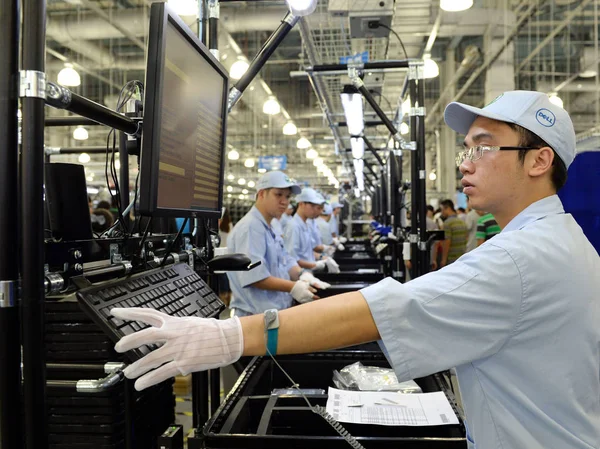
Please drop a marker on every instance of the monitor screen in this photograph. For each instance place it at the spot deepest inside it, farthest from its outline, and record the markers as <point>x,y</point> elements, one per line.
<point>185,111</point>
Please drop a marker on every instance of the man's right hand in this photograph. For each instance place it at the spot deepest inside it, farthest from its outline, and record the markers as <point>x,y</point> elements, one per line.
<point>315,282</point>
<point>303,292</point>
<point>319,265</point>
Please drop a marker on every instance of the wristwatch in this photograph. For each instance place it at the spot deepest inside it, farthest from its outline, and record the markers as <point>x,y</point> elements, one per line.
<point>271,330</point>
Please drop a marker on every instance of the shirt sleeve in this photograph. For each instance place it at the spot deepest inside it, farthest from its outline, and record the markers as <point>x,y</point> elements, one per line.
<point>447,232</point>
<point>291,238</point>
<point>459,314</point>
<point>253,244</point>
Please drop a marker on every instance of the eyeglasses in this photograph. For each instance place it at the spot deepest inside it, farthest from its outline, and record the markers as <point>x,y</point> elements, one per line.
<point>475,153</point>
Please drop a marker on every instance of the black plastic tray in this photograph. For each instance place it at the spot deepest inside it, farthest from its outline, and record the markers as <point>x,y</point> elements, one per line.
<point>250,417</point>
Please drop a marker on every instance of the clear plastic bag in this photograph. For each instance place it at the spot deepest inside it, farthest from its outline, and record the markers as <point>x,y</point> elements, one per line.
<point>371,378</point>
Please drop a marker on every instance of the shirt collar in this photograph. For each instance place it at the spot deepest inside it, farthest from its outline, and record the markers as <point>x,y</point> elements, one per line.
<point>551,205</point>
<point>256,213</point>
<point>300,220</point>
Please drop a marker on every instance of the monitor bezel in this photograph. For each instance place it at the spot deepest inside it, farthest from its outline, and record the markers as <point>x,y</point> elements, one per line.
<point>160,16</point>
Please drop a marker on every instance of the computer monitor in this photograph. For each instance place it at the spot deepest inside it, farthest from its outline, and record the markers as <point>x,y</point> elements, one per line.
<point>185,112</point>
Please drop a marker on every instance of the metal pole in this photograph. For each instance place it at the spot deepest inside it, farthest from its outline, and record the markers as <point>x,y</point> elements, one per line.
<point>33,92</point>
<point>414,183</point>
<point>70,121</point>
<point>200,398</point>
<point>10,342</point>
<point>372,150</point>
<point>124,175</point>
<point>213,27</point>
<point>261,57</point>
<point>202,22</point>
<point>375,65</point>
<point>424,262</point>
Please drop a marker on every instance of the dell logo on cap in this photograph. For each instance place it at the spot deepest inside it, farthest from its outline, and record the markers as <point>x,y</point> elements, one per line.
<point>545,117</point>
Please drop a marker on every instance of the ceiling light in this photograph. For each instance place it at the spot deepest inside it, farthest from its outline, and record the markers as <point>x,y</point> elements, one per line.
<point>229,195</point>
<point>249,163</point>
<point>358,147</point>
<point>311,154</point>
<point>184,7</point>
<point>80,133</point>
<point>262,170</point>
<point>238,68</point>
<point>92,190</point>
<point>230,177</point>
<point>352,102</point>
<point>117,164</point>
<point>404,129</point>
<point>241,181</point>
<point>555,100</point>
<point>588,73</point>
<point>84,158</point>
<point>271,107</point>
<point>289,129</point>
<point>303,143</point>
<point>455,5</point>
<point>430,68</point>
<point>318,161</point>
<point>69,76</point>
<point>229,189</point>
<point>233,155</point>
<point>302,7</point>
<point>322,168</point>
<point>251,184</point>
<point>241,197</point>
<point>432,176</point>
<point>244,191</point>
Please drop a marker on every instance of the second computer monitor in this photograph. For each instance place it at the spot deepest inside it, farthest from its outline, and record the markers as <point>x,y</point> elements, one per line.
<point>185,111</point>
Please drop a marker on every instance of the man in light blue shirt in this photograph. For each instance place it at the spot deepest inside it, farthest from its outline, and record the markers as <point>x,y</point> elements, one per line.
<point>518,316</point>
<point>334,222</point>
<point>275,282</point>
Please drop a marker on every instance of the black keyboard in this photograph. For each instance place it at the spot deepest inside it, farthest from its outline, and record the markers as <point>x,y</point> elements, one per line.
<point>176,290</point>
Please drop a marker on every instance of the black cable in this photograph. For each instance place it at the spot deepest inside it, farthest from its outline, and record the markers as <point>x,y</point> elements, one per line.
<point>144,236</point>
<point>395,34</point>
<point>174,242</point>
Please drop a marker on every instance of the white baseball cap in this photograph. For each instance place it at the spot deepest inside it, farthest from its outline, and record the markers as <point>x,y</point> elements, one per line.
<point>309,195</point>
<point>336,205</point>
<point>278,180</point>
<point>327,209</point>
<point>531,110</point>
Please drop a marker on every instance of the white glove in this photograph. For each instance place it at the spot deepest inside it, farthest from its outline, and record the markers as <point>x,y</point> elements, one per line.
<point>328,249</point>
<point>332,266</point>
<point>343,239</point>
<point>320,265</point>
<point>315,282</point>
<point>340,247</point>
<point>303,292</point>
<point>190,344</point>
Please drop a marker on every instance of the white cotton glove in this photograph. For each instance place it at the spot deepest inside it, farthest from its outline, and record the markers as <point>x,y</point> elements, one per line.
<point>328,249</point>
<point>315,282</point>
<point>190,344</point>
<point>332,266</point>
<point>343,239</point>
<point>338,245</point>
<point>303,292</point>
<point>320,265</point>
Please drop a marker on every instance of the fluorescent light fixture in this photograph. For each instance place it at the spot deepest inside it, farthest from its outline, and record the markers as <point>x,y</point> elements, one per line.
<point>455,5</point>
<point>358,147</point>
<point>244,191</point>
<point>353,110</point>
<point>289,129</point>
<point>432,176</point>
<point>251,184</point>
<point>588,73</point>
<point>262,170</point>
<point>357,192</point>
<point>271,107</point>
<point>404,129</point>
<point>555,99</point>
<point>241,181</point>
<point>80,133</point>
<point>303,143</point>
<point>241,197</point>
<point>229,189</point>
<point>117,164</point>
<point>233,155</point>
<point>311,154</point>
<point>69,76</point>
<point>430,68</point>
<point>322,168</point>
<point>249,163</point>
<point>318,161</point>
<point>92,190</point>
<point>230,177</point>
<point>238,68</point>
<point>229,195</point>
<point>184,7</point>
<point>302,7</point>
<point>84,158</point>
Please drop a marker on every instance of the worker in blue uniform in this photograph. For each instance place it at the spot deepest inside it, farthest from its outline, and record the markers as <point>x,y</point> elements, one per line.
<point>517,317</point>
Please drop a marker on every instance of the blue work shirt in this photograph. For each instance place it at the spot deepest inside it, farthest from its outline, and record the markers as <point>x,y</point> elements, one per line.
<point>298,240</point>
<point>315,234</point>
<point>324,230</point>
<point>519,318</point>
<point>253,236</point>
<point>284,220</point>
<point>334,225</point>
